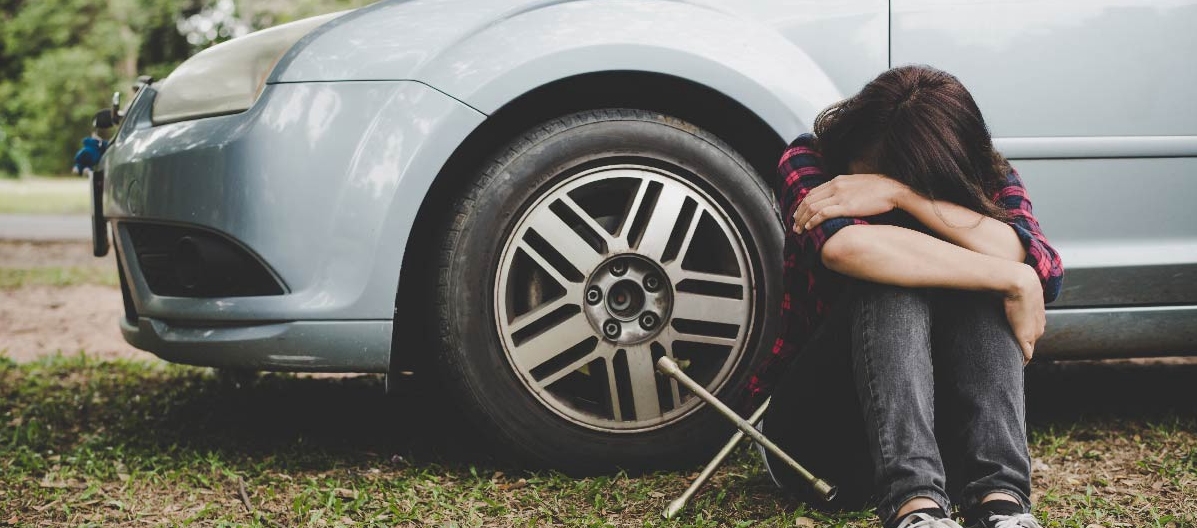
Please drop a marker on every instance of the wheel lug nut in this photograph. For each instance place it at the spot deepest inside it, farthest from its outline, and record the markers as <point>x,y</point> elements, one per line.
<point>612,328</point>
<point>649,320</point>
<point>594,295</point>
<point>619,267</point>
<point>652,283</point>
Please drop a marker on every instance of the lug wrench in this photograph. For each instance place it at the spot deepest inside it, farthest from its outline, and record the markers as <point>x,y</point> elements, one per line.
<point>667,366</point>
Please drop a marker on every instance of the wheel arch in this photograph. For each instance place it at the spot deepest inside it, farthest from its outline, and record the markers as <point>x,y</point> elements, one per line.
<point>487,54</point>
<point>685,99</point>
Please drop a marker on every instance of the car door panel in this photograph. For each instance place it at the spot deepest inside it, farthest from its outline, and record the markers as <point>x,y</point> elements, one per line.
<point>1093,103</point>
<point>1124,233</point>
<point>1059,68</point>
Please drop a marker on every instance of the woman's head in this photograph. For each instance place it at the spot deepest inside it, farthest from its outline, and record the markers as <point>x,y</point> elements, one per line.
<point>920,126</point>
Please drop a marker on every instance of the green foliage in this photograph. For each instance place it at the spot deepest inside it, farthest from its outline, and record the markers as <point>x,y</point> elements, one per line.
<point>13,160</point>
<point>42,26</point>
<point>65,86</point>
<point>60,61</point>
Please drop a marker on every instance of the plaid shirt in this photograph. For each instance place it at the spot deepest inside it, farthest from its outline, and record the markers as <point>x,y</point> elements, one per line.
<point>809,287</point>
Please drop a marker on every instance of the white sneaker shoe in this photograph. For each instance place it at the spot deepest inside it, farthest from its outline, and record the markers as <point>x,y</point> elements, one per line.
<point>922,520</point>
<point>1022,520</point>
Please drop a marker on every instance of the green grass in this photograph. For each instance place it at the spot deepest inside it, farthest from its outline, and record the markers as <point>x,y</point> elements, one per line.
<point>39,195</point>
<point>89,443</point>
<point>110,443</point>
<point>57,276</point>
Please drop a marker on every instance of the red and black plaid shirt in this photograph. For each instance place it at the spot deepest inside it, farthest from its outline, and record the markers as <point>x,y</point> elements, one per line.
<point>809,287</point>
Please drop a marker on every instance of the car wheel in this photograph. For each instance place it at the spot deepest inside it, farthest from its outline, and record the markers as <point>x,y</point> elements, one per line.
<point>586,250</point>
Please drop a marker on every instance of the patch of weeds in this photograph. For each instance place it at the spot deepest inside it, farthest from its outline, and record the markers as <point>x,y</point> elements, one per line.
<point>68,276</point>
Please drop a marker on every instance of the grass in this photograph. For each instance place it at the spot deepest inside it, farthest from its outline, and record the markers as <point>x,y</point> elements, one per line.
<point>110,443</point>
<point>57,276</point>
<point>90,443</point>
<point>40,195</point>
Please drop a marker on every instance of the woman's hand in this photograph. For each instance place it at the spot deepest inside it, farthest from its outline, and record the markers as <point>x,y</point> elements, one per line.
<point>854,195</point>
<point>1024,310</point>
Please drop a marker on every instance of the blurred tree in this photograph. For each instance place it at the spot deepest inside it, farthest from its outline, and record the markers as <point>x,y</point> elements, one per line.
<point>60,60</point>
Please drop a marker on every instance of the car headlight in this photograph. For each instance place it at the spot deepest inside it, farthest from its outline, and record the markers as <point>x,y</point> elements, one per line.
<point>228,77</point>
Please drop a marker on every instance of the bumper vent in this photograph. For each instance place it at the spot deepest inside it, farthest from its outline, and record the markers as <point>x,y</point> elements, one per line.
<point>126,294</point>
<point>187,262</point>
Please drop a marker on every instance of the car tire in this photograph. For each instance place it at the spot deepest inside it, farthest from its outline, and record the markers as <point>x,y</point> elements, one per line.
<point>566,405</point>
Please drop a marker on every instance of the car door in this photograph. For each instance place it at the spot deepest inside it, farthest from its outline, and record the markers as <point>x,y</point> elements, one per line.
<point>1093,101</point>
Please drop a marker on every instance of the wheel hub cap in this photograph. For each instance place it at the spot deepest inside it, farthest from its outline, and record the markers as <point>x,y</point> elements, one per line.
<point>609,270</point>
<point>626,299</point>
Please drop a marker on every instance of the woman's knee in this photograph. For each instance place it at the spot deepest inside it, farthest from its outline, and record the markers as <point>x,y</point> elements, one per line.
<point>883,309</point>
<point>973,325</point>
<point>970,310</point>
<point>887,298</point>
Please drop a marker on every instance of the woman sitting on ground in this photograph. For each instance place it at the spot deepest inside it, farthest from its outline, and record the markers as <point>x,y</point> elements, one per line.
<point>913,256</point>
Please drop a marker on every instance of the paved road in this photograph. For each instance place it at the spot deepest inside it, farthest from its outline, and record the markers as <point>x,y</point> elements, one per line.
<point>44,227</point>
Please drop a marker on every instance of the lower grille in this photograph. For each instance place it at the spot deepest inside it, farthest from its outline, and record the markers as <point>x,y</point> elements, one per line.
<point>126,294</point>
<point>188,262</point>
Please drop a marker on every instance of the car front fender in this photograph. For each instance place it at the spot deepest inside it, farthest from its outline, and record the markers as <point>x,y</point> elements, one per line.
<point>487,54</point>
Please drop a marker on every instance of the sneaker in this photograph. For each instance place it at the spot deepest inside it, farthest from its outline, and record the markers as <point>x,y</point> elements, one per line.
<point>927,518</point>
<point>999,514</point>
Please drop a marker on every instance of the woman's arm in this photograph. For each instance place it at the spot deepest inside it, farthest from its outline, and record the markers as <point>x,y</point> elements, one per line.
<point>904,257</point>
<point>864,195</point>
<point>871,194</point>
<point>963,226</point>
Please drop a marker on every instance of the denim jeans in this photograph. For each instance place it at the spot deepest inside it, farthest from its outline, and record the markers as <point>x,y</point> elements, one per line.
<point>920,388</point>
<point>939,361</point>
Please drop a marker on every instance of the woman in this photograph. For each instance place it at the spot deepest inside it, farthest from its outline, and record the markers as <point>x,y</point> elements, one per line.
<point>914,260</point>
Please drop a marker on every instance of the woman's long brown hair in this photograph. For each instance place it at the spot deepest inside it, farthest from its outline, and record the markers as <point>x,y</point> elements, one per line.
<point>920,126</point>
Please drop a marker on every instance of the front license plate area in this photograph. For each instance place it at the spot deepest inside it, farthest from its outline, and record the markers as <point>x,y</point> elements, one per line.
<point>99,228</point>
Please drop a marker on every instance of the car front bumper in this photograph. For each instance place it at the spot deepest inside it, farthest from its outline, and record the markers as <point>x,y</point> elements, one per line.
<point>311,346</point>
<point>316,187</point>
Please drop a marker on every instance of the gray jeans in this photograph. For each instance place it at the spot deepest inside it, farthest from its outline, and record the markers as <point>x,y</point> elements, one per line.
<point>939,377</point>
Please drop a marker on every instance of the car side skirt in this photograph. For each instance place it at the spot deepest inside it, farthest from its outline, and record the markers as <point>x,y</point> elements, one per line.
<point>1119,332</point>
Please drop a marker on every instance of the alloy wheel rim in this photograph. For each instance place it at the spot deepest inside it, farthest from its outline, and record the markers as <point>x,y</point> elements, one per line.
<point>607,271</point>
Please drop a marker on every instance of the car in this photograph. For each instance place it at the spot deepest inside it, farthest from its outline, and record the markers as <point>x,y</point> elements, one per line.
<point>531,201</point>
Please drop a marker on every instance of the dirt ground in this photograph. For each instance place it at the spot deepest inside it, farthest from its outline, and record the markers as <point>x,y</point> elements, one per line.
<point>38,319</point>
<point>23,255</point>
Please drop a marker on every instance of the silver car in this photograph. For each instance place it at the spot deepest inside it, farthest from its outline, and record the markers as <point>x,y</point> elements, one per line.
<point>534,200</point>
